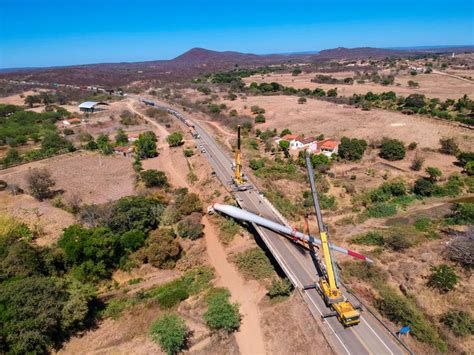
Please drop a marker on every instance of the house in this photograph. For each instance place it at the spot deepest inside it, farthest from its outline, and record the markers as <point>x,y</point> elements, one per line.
<point>298,142</point>
<point>132,137</point>
<point>124,151</point>
<point>328,147</point>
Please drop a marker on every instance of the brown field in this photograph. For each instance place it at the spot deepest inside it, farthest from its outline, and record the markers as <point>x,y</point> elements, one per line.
<point>91,177</point>
<point>41,217</point>
<point>316,117</point>
<point>432,85</point>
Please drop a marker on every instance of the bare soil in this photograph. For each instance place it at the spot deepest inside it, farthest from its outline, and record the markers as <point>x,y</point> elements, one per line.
<point>46,220</point>
<point>90,176</point>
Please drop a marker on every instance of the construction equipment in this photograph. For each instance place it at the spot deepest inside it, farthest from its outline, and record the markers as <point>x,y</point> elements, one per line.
<point>328,286</point>
<point>239,180</point>
<point>292,233</point>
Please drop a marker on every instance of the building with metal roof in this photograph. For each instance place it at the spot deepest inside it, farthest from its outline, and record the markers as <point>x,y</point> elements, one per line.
<point>90,106</point>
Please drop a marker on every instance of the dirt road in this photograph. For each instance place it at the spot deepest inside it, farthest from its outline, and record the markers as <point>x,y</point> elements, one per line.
<point>246,293</point>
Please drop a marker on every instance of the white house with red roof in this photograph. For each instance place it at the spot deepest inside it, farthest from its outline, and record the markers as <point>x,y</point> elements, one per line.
<point>327,147</point>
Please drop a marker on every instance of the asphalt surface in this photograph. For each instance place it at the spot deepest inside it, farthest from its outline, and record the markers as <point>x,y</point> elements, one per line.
<point>368,337</point>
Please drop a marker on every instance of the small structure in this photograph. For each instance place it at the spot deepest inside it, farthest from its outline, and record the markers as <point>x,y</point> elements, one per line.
<point>71,121</point>
<point>124,151</point>
<point>328,147</point>
<point>90,106</point>
<point>132,137</point>
<point>297,142</point>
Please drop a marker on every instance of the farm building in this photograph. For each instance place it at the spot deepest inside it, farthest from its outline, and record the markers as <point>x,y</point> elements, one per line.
<point>90,106</point>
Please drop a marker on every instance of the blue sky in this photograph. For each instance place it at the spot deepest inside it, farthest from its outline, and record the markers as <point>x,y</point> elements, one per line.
<point>65,32</point>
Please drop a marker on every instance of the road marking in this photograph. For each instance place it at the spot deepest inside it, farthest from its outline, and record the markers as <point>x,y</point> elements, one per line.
<point>218,158</point>
<point>373,331</point>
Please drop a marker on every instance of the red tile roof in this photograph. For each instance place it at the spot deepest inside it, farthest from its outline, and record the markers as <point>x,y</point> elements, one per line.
<point>328,144</point>
<point>289,137</point>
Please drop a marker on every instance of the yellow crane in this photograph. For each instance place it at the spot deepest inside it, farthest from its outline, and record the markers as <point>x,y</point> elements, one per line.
<point>328,286</point>
<point>239,180</point>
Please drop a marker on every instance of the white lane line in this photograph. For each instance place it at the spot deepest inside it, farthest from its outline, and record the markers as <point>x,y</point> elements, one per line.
<point>373,331</point>
<point>307,294</point>
<point>330,327</point>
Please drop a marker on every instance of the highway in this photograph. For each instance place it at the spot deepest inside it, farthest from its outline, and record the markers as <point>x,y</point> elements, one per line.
<point>369,337</point>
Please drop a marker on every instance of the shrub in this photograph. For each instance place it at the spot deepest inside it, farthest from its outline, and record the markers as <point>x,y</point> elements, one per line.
<point>448,146</point>
<point>469,168</point>
<point>422,224</point>
<point>413,84</point>
<point>279,288</point>
<point>40,183</point>
<point>257,110</point>
<point>443,278</point>
<point>284,132</point>
<point>132,240</point>
<point>412,146</point>
<point>221,314</point>
<point>154,178</point>
<point>417,163</point>
<point>187,203</point>
<point>462,213</point>
<point>188,153</point>
<point>423,187</point>
<point>365,272</point>
<point>190,228</point>
<point>12,157</point>
<point>380,210</point>
<point>460,322</point>
<point>170,332</point>
<point>392,149</point>
<point>302,100</point>
<point>433,173</point>
<point>256,164</point>
<point>175,139</point>
<point>399,241</point>
<point>370,238</point>
<point>400,310</point>
<point>352,149</point>
<point>254,264</point>
<point>233,113</point>
<point>260,118</point>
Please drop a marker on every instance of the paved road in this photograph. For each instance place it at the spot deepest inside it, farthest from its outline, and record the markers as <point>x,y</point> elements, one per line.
<point>369,337</point>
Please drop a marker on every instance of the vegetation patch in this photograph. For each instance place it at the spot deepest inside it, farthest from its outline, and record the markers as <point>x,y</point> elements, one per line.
<point>221,314</point>
<point>170,332</point>
<point>254,264</point>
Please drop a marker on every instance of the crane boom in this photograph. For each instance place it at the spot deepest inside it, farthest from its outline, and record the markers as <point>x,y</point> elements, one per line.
<point>329,286</point>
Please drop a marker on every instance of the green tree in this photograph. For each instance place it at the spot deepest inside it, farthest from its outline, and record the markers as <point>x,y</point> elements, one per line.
<point>132,240</point>
<point>121,137</point>
<point>279,288</point>
<point>392,149</point>
<point>469,168</point>
<point>31,100</point>
<point>221,314</point>
<point>175,139</point>
<point>190,228</point>
<point>170,332</point>
<point>103,144</point>
<point>284,132</point>
<point>40,183</point>
<point>52,143</point>
<point>162,250</point>
<point>443,278</point>
<point>352,149</point>
<point>145,145</point>
<point>415,101</point>
<point>296,72</point>
<point>188,153</point>
<point>154,178</point>
<point>284,145</point>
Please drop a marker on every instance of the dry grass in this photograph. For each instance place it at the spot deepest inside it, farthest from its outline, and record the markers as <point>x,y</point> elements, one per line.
<point>432,85</point>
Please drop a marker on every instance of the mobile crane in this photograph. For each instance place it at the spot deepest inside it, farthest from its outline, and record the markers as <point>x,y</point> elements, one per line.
<point>239,180</point>
<point>328,286</point>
